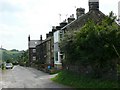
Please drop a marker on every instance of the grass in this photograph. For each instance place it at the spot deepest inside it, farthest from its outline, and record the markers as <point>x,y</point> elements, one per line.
<point>53,71</point>
<point>118,66</point>
<point>77,81</point>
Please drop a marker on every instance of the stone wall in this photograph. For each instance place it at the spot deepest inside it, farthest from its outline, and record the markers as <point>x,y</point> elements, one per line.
<point>90,72</point>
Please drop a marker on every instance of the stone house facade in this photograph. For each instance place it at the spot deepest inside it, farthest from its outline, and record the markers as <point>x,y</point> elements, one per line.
<point>48,51</point>
<point>57,51</point>
<point>73,24</point>
<point>45,52</point>
<point>32,50</point>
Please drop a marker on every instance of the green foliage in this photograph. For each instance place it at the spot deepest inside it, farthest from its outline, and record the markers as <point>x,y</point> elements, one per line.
<point>3,66</point>
<point>8,61</point>
<point>23,59</point>
<point>78,81</point>
<point>96,42</point>
<point>96,45</point>
<point>10,55</point>
<point>68,46</point>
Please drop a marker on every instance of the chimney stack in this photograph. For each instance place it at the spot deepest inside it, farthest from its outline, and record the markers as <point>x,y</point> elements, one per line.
<point>93,5</point>
<point>50,34</point>
<point>53,29</point>
<point>64,23</point>
<point>71,18</point>
<point>47,35</point>
<point>29,38</point>
<point>40,37</point>
<point>58,27</point>
<point>79,12</point>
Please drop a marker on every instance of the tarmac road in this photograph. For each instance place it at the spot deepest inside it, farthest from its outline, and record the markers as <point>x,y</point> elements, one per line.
<point>24,77</point>
<point>0,79</point>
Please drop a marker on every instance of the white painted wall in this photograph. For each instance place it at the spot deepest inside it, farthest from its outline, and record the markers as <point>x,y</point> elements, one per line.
<point>56,48</point>
<point>119,12</point>
<point>93,0</point>
<point>119,9</point>
<point>56,36</point>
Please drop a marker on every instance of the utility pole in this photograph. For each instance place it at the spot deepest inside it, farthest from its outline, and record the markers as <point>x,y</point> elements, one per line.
<point>66,16</point>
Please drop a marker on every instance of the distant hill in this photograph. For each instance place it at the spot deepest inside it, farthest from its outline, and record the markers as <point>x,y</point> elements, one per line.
<point>2,49</point>
<point>14,50</point>
<point>12,55</point>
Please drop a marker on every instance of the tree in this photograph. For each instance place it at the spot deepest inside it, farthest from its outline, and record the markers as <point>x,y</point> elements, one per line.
<point>24,58</point>
<point>97,45</point>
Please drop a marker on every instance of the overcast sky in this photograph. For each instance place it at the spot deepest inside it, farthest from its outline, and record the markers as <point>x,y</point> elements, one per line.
<point>19,18</point>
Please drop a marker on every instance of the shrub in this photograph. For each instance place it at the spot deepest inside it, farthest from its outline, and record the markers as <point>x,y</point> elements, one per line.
<point>97,45</point>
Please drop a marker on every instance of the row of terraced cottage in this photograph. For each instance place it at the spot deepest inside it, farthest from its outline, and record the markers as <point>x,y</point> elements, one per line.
<point>46,53</point>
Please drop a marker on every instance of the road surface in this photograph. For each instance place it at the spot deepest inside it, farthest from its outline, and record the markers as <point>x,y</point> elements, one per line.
<point>0,79</point>
<point>24,77</point>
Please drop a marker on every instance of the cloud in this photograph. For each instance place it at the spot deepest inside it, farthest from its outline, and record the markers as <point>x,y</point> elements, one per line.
<point>8,13</point>
<point>9,19</point>
<point>7,7</point>
<point>19,18</point>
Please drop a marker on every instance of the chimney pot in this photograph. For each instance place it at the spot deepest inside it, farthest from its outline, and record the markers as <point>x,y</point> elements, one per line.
<point>47,35</point>
<point>71,18</point>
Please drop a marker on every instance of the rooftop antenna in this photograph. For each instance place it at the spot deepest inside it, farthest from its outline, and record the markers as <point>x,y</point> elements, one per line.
<point>60,17</point>
<point>66,16</point>
<point>75,7</point>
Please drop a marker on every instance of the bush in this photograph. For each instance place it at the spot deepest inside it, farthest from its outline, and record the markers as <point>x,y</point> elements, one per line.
<point>3,66</point>
<point>97,45</point>
<point>79,81</point>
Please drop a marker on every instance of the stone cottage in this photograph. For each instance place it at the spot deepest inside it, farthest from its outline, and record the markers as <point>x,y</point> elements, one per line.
<point>44,50</point>
<point>32,50</point>
<point>81,19</point>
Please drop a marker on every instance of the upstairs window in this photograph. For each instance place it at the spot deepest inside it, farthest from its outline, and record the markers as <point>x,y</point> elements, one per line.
<point>34,50</point>
<point>56,56</point>
<point>34,58</point>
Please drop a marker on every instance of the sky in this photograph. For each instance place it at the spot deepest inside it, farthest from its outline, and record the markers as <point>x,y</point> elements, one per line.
<point>21,18</point>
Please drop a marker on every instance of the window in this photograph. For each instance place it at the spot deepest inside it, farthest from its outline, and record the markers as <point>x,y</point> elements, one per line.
<point>56,36</point>
<point>61,55</point>
<point>61,34</point>
<point>34,50</point>
<point>35,43</point>
<point>56,56</point>
<point>34,58</point>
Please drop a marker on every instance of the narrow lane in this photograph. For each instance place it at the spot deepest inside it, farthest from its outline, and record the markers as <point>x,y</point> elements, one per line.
<point>24,77</point>
<point>0,79</point>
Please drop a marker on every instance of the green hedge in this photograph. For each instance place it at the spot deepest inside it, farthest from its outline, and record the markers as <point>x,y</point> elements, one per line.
<point>77,81</point>
<point>97,45</point>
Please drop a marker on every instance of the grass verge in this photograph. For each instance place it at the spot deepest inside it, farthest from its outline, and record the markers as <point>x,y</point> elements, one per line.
<point>77,81</point>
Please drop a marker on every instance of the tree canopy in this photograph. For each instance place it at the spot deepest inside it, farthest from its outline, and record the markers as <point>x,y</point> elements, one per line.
<point>95,44</point>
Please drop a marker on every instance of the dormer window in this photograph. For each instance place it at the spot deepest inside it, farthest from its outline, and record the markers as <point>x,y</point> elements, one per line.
<point>35,43</point>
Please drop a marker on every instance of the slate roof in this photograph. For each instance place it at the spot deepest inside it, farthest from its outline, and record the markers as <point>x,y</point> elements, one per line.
<point>44,41</point>
<point>34,43</point>
<point>95,15</point>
